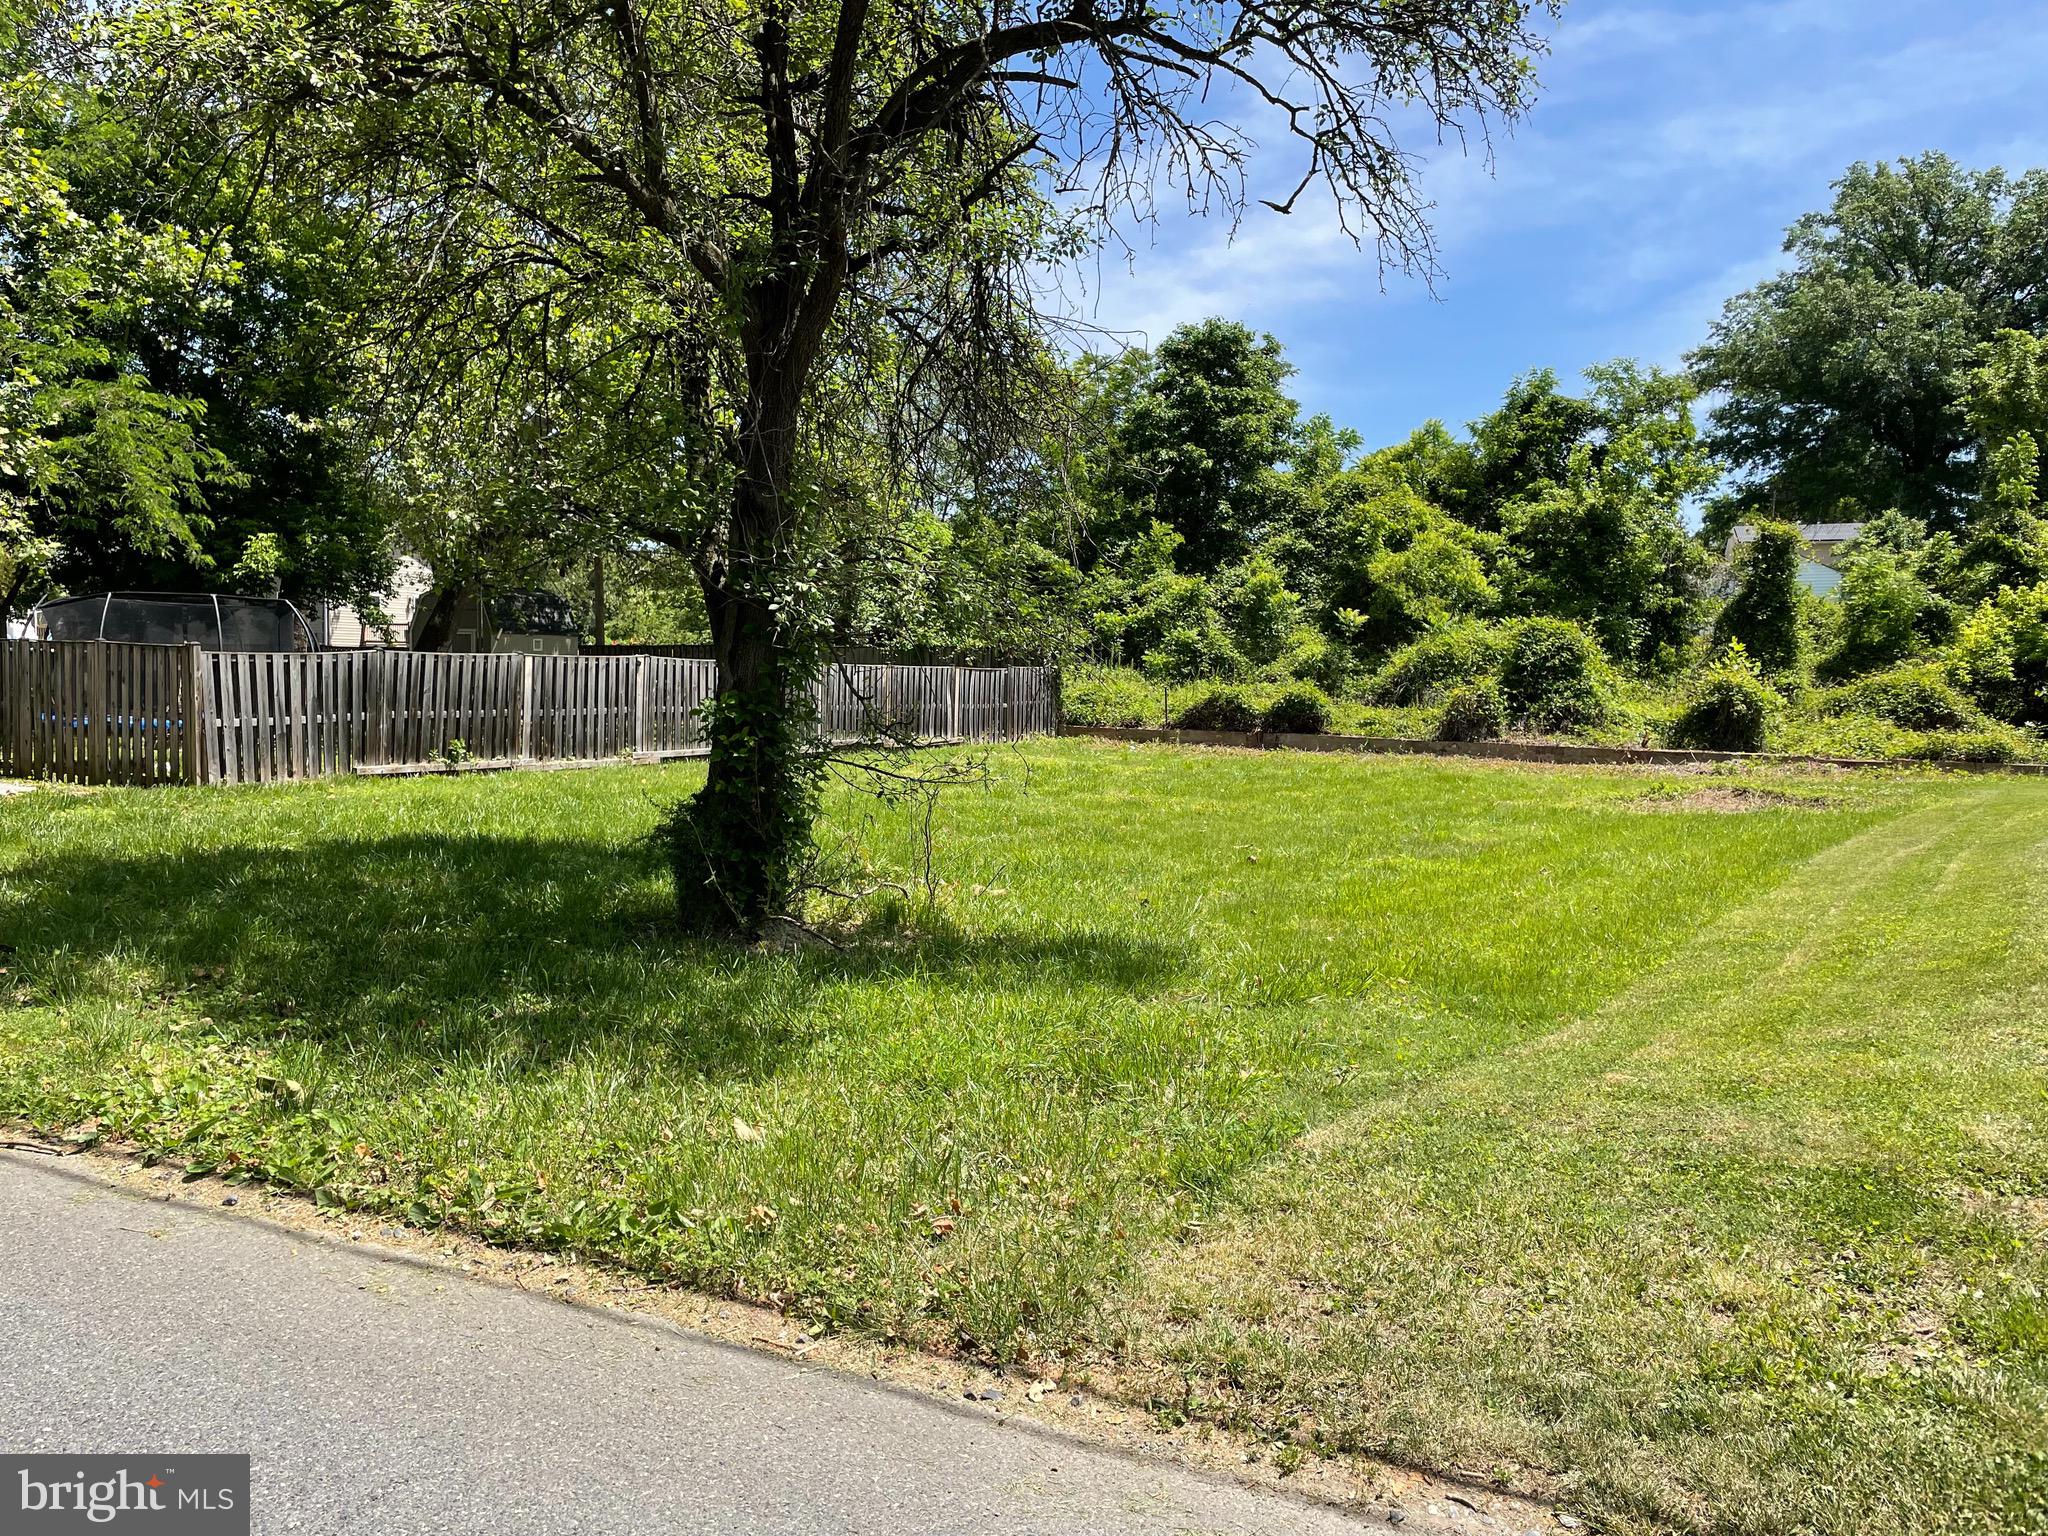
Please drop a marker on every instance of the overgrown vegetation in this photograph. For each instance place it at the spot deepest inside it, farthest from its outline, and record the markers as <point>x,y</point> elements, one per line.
<point>1474,712</point>
<point>1299,708</point>
<point>1111,696</point>
<point>1957,618</point>
<point>1220,707</point>
<point>1395,577</point>
<point>1674,1162</point>
<point>1762,616</point>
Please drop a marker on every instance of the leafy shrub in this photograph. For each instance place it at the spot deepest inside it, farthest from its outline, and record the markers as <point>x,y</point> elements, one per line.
<point>1108,696</point>
<point>1883,608</point>
<point>1920,698</point>
<point>1224,707</point>
<point>1301,709</point>
<point>1261,613</point>
<point>1868,736</point>
<point>1729,707</point>
<point>1437,578</point>
<point>1441,659</point>
<point>1312,657</point>
<point>1475,712</point>
<point>2000,656</point>
<point>1188,652</point>
<point>1176,629</point>
<point>1551,674</point>
<point>1989,745</point>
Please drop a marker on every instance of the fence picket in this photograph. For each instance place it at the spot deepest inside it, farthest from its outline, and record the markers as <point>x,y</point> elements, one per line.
<point>135,720</point>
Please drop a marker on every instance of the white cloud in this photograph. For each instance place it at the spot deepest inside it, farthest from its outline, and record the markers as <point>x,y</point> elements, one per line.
<point>1671,146</point>
<point>1270,267</point>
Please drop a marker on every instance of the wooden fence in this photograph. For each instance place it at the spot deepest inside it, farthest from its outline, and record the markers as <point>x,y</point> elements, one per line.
<point>100,714</point>
<point>105,713</point>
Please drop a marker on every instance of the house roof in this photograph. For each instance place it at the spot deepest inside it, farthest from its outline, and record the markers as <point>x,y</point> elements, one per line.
<point>1830,533</point>
<point>1813,533</point>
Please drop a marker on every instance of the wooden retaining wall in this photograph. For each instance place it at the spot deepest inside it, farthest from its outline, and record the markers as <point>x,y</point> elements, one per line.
<point>1517,751</point>
<point>98,712</point>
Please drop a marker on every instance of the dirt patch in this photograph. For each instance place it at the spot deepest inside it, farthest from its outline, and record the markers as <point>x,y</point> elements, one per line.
<point>1920,1339</point>
<point>2027,1213</point>
<point>1729,799</point>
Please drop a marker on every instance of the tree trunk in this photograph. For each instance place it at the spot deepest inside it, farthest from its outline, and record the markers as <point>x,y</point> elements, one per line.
<point>740,845</point>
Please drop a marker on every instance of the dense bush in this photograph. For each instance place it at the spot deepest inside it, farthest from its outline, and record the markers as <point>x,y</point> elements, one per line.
<point>1920,698</point>
<point>1475,712</point>
<point>1436,579</point>
<point>1301,709</point>
<point>1189,652</point>
<point>1224,707</point>
<point>1261,613</point>
<point>1883,607</point>
<point>1444,658</point>
<point>1990,745</point>
<point>1175,626</point>
<point>1551,674</point>
<point>1312,657</point>
<point>1108,696</point>
<point>2000,657</point>
<point>1729,707</point>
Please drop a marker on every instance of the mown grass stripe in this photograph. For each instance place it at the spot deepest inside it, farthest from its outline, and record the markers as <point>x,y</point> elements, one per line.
<point>1757,1247</point>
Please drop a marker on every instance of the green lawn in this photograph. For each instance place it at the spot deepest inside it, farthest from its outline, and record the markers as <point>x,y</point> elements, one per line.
<point>1758,1246</point>
<point>1521,1121</point>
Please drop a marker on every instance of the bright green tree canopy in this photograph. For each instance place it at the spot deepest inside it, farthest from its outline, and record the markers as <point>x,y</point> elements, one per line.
<point>1843,377</point>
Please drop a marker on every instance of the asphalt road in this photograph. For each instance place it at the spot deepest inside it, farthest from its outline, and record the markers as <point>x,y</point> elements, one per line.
<point>378,1397</point>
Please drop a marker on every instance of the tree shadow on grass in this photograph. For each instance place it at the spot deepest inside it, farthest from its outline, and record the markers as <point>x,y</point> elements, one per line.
<point>524,949</point>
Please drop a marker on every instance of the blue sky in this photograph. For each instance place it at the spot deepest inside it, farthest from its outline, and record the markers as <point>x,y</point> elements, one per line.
<point>1671,146</point>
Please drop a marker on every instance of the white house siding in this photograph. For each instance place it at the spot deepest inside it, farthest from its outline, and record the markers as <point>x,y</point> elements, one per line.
<point>348,630</point>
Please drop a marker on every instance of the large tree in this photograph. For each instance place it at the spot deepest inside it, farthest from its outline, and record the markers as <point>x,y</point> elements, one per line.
<point>1843,377</point>
<point>188,338</point>
<point>799,225</point>
<point>1589,493</point>
<point>266,349</point>
<point>94,454</point>
<point>1198,442</point>
<point>1527,441</point>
